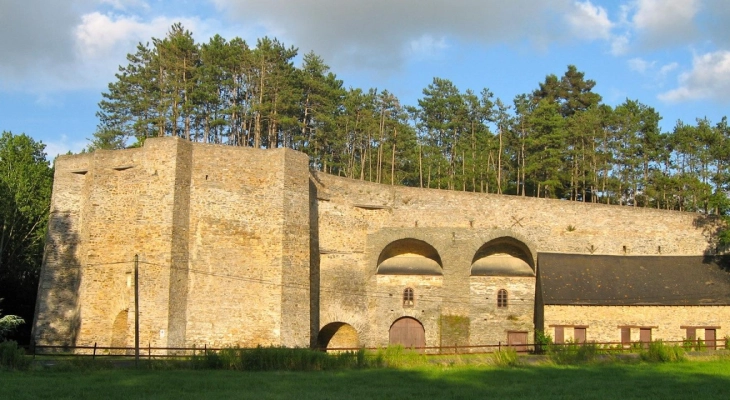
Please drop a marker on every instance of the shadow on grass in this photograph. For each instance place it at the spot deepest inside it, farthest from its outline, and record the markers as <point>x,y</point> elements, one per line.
<point>678,380</point>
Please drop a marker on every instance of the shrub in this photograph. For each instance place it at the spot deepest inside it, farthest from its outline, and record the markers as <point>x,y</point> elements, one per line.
<point>505,358</point>
<point>573,353</point>
<point>277,358</point>
<point>542,341</point>
<point>693,344</point>
<point>12,356</point>
<point>660,352</point>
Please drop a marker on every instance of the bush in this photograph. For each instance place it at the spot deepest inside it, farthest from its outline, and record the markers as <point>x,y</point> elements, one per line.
<point>573,353</point>
<point>542,341</point>
<point>660,352</point>
<point>12,356</point>
<point>693,344</point>
<point>277,358</point>
<point>505,358</point>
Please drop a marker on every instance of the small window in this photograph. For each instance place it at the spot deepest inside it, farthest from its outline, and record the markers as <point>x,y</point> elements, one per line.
<point>579,335</point>
<point>408,297</point>
<point>626,336</point>
<point>691,334</point>
<point>502,298</point>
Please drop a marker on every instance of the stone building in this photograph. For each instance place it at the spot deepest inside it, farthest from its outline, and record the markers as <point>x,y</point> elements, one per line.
<point>241,246</point>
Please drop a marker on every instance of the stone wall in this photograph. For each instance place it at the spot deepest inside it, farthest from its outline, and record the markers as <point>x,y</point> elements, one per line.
<point>603,323</point>
<point>222,236</point>
<point>357,220</point>
<point>247,247</point>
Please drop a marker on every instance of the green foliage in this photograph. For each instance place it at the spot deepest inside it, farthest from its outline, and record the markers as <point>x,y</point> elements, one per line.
<point>557,141</point>
<point>505,358</point>
<point>25,191</point>
<point>573,353</point>
<point>12,356</point>
<point>542,341</point>
<point>660,352</point>
<point>8,324</point>
<point>277,359</point>
<point>693,344</point>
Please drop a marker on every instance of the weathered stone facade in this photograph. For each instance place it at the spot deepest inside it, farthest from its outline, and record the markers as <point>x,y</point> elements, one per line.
<point>247,247</point>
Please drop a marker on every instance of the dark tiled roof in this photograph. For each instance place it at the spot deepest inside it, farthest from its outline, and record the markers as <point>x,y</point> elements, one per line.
<point>579,279</point>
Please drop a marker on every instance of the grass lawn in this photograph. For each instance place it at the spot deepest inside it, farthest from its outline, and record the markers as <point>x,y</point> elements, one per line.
<point>693,379</point>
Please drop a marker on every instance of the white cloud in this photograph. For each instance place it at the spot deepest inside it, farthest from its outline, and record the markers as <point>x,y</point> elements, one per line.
<point>620,45</point>
<point>380,34</point>
<point>60,46</point>
<point>640,65</point>
<point>660,23</point>
<point>666,69</point>
<point>428,46</point>
<point>708,79</point>
<point>589,22</point>
<point>62,146</point>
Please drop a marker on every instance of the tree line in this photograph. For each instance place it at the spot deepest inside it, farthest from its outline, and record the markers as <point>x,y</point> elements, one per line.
<point>559,141</point>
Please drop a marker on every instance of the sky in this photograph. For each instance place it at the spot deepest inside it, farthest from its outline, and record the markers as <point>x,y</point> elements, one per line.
<point>57,57</point>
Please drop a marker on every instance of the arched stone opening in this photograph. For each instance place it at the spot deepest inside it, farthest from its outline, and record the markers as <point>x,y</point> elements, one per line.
<point>119,332</point>
<point>407,332</point>
<point>338,335</point>
<point>504,256</point>
<point>409,257</point>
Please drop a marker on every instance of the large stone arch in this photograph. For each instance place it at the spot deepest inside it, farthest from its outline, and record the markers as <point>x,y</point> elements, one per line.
<point>338,335</point>
<point>409,256</point>
<point>407,332</point>
<point>503,256</point>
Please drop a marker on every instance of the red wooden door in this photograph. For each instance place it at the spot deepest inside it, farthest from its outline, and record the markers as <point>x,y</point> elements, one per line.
<point>408,332</point>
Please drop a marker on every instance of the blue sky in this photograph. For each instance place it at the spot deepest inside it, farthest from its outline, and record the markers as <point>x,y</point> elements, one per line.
<point>673,55</point>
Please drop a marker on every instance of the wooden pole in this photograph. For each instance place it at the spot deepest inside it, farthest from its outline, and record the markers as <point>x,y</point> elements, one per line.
<point>136,310</point>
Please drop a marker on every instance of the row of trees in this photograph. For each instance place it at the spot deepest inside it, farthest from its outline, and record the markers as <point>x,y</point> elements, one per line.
<point>559,141</point>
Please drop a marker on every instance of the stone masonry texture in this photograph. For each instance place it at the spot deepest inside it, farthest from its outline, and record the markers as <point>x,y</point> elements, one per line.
<point>248,247</point>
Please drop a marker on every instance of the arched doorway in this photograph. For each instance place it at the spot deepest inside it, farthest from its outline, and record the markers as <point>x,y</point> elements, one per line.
<point>407,332</point>
<point>119,332</point>
<point>338,335</point>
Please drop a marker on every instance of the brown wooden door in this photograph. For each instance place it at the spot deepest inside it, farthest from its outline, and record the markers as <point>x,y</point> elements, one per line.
<point>710,339</point>
<point>518,340</point>
<point>559,335</point>
<point>408,332</point>
<point>626,337</point>
<point>579,335</point>
<point>645,336</point>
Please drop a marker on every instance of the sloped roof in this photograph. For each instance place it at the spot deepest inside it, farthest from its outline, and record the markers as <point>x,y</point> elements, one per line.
<point>578,279</point>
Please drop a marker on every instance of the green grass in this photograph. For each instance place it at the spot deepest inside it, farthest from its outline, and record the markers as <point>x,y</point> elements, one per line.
<point>692,379</point>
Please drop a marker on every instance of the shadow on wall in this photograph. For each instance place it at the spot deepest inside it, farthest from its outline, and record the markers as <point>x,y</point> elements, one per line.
<point>711,226</point>
<point>57,316</point>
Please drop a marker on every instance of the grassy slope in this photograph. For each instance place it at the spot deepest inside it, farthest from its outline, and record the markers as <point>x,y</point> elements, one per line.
<point>708,379</point>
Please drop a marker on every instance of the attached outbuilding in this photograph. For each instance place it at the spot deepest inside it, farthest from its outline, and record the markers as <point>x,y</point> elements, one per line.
<point>626,299</point>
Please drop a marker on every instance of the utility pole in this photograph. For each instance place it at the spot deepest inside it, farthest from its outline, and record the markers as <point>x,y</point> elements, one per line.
<point>136,310</point>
